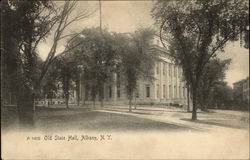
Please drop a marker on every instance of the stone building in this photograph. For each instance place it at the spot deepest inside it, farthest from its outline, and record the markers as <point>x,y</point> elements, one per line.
<point>168,85</point>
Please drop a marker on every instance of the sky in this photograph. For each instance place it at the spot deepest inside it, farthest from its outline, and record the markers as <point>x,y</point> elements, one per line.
<point>127,16</point>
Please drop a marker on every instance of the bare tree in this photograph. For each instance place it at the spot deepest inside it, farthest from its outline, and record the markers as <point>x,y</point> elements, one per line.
<point>63,22</point>
<point>25,25</point>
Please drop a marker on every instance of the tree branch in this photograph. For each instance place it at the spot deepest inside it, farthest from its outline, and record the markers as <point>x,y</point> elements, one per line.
<point>161,27</point>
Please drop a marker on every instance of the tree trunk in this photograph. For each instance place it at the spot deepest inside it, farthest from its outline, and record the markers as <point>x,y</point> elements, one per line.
<point>194,111</point>
<point>188,96</point>
<point>101,94</point>
<point>10,96</point>
<point>130,103</point>
<point>94,102</point>
<point>82,89</point>
<point>67,100</point>
<point>86,96</point>
<point>48,101</point>
<point>51,100</point>
<point>135,104</point>
<point>78,100</point>
<point>93,96</point>
<point>78,91</point>
<point>66,90</point>
<point>25,106</point>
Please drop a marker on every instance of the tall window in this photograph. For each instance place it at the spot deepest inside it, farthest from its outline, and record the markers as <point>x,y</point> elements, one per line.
<point>170,92</point>
<point>184,95</point>
<point>137,93</point>
<point>175,71</point>
<point>180,92</point>
<point>164,91</point>
<point>175,92</point>
<point>180,72</point>
<point>147,91</point>
<point>118,85</point>
<point>158,90</point>
<point>164,69</point>
<point>169,69</point>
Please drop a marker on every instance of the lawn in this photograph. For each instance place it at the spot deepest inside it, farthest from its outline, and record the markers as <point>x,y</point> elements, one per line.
<point>82,119</point>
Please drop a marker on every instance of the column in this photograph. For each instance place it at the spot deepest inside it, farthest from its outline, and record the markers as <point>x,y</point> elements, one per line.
<point>160,80</point>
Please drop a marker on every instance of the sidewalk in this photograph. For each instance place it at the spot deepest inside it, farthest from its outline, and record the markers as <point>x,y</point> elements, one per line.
<point>207,121</point>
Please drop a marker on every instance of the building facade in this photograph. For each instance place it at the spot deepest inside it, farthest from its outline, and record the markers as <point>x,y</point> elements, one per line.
<point>241,90</point>
<point>168,85</point>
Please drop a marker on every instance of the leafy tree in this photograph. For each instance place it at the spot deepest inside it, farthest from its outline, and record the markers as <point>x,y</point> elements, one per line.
<point>137,59</point>
<point>222,96</point>
<point>25,24</point>
<point>99,56</point>
<point>67,70</point>
<point>19,30</point>
<point>214,73</point>
<point>198,30</point>
<point>50,83</point>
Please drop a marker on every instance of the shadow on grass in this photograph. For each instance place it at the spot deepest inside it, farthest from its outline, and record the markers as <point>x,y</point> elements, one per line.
<point>213,123</point>
<point>103,121</point>
<point>84,119</point>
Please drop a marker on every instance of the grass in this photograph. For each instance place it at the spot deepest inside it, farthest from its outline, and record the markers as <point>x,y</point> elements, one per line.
<point>82,119</point>
<point>101,121</point>
<point>112,118</point>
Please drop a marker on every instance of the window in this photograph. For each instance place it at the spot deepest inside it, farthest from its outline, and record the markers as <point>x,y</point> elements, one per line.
<point>184,95</point>
<point>164,69</point>
<point>170,92</point>
<point>180,92</point>
<point>147,91</point>
<point>180,72</point>
<point>175,92</point>
<point>170,70</point>
<point>137,91</point>
<point>164,91</point>
<point>158,90</point>
<point>137,94</point>
<point>175,71</point>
